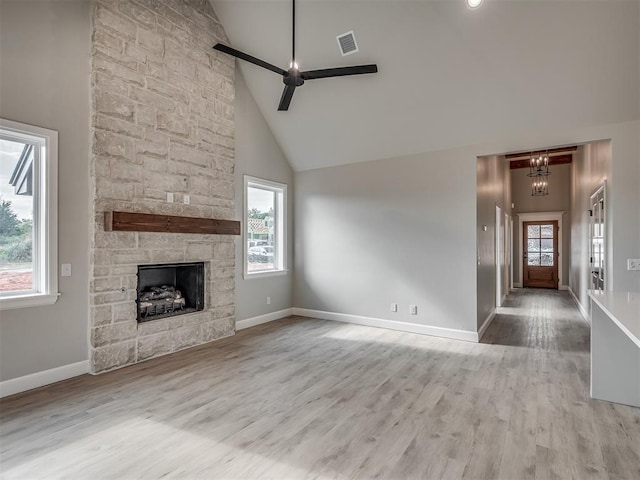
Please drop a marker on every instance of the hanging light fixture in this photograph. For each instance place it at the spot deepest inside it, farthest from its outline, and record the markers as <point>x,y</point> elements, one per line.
<point>539,173</point>
<point>539,165</point>
<point>539,186</point>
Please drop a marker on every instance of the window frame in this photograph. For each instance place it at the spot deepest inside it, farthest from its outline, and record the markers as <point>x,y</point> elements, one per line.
<point>45,215</point>
<point>280,211</point>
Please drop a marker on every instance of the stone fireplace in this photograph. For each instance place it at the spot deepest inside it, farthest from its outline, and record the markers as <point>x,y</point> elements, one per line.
<point>162,123</point>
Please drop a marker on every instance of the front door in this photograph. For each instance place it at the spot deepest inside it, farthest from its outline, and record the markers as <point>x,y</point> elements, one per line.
<point>540,259</point>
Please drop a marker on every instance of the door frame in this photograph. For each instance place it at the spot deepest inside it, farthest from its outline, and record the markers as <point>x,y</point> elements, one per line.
<point>499,249</point>
<point>602,188</point>
<point>556,255</point>
<point>540,217</point>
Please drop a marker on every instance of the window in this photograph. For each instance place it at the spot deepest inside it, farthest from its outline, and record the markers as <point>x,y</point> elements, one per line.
<point>28,215</point>
<point>265,225</point>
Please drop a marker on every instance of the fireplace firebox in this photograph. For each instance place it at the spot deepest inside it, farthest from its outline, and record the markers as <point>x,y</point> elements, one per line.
<point>169,289</point>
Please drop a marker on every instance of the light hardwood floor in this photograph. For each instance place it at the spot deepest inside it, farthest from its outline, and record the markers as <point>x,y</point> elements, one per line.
<point>304,398</point>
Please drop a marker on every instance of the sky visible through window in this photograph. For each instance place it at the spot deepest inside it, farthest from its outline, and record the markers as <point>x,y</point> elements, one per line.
<point>260,199</point>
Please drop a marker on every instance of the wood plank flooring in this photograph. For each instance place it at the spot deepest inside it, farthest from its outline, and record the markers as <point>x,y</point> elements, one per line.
<point>305,399</point>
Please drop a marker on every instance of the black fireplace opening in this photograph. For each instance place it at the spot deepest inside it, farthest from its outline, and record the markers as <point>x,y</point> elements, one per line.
<point>167,290</point>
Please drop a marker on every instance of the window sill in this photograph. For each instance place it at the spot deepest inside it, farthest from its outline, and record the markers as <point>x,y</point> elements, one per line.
<point>28,300</point>
<point>269,273</point>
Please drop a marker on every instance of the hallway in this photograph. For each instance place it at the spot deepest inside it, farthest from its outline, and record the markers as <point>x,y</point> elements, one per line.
<point>306,398</point>
<point>572,435</point>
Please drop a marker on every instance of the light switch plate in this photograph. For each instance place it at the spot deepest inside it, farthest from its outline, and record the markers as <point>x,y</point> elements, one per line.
<point>170,197</point>
<point>65,270</point>
<point>633,264</point>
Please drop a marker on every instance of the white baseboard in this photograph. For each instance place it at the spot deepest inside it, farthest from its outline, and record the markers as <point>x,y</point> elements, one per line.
<point>260,319</point>
<point>40,379</point>
<point>455,334</point>
<point>517,285</point>
<point>563,287</point>
<point>583,311</point>
<point>485,324</point>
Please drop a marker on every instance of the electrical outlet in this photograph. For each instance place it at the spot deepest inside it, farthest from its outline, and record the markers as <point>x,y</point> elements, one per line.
<point>268,300</point>
<point>633,264</point>
<point>394,307</point>
<point>170,197</point>
<point>186,199</point>
<point>65,270</point>
<point>413,309</point>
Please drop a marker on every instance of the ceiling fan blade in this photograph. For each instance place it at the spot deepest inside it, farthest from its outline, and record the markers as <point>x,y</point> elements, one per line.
<point>339,72</point>
<point>285,100</point>
<point>248,58</point>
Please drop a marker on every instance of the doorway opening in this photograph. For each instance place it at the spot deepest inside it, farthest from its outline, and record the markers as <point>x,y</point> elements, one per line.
<point>540,251</point>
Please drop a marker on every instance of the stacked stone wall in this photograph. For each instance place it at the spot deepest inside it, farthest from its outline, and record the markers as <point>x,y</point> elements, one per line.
<point>162,121</point>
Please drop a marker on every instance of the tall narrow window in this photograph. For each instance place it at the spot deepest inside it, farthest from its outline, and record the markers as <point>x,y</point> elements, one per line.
<point>28,233</point>
<point>265,220</point>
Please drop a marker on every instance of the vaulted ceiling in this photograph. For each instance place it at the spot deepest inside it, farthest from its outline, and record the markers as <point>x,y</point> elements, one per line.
<point>449,76</point>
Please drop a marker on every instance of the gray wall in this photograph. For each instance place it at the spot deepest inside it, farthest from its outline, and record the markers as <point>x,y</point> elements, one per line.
<point>559,199</point>
<point>259,155</point>
<point>493,190</point>
<point>44,81</point>
<point>623,197</point>
<point>592,166</point>
<point>618,162</point>
<point>400,230</point>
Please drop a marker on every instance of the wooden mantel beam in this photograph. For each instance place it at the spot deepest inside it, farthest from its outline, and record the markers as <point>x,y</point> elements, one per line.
<point>148,222</point>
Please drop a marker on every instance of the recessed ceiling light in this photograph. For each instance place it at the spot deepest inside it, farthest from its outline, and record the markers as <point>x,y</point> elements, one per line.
<point>474,3</point>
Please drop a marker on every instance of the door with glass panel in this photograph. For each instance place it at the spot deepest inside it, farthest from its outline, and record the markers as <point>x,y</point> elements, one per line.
<point>597,233</point>
<point>540,259</point>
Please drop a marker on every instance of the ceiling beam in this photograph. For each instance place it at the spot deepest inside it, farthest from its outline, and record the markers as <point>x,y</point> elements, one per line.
<point>555,160</point>
<point>550,152</point>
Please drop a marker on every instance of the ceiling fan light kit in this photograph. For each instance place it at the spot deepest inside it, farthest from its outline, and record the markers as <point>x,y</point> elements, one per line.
<point>293,77</point>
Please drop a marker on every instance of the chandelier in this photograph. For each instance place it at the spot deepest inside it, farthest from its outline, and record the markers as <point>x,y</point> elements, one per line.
<point>539,174</point>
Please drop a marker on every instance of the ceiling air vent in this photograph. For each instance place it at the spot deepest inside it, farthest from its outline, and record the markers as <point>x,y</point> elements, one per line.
<point>347,42</point>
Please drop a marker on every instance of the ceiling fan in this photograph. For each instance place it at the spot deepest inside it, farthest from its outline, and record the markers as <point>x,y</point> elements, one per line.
<point>293,77</point>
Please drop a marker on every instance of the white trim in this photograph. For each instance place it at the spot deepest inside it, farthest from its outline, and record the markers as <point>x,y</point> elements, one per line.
<point>265,273</point>
<point>517,285</point>
<point>260,319</point>
<point>499,251</point>
<point>582,310</point>
<point>31,300</point>
<point>563,287</point>
<point>45,214</point>
<point>485,325</point>
<point>40,379</point>
<point>540,217</point>
<point>455,334</point>
<point>602,188</point>
<point>280,211</point>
